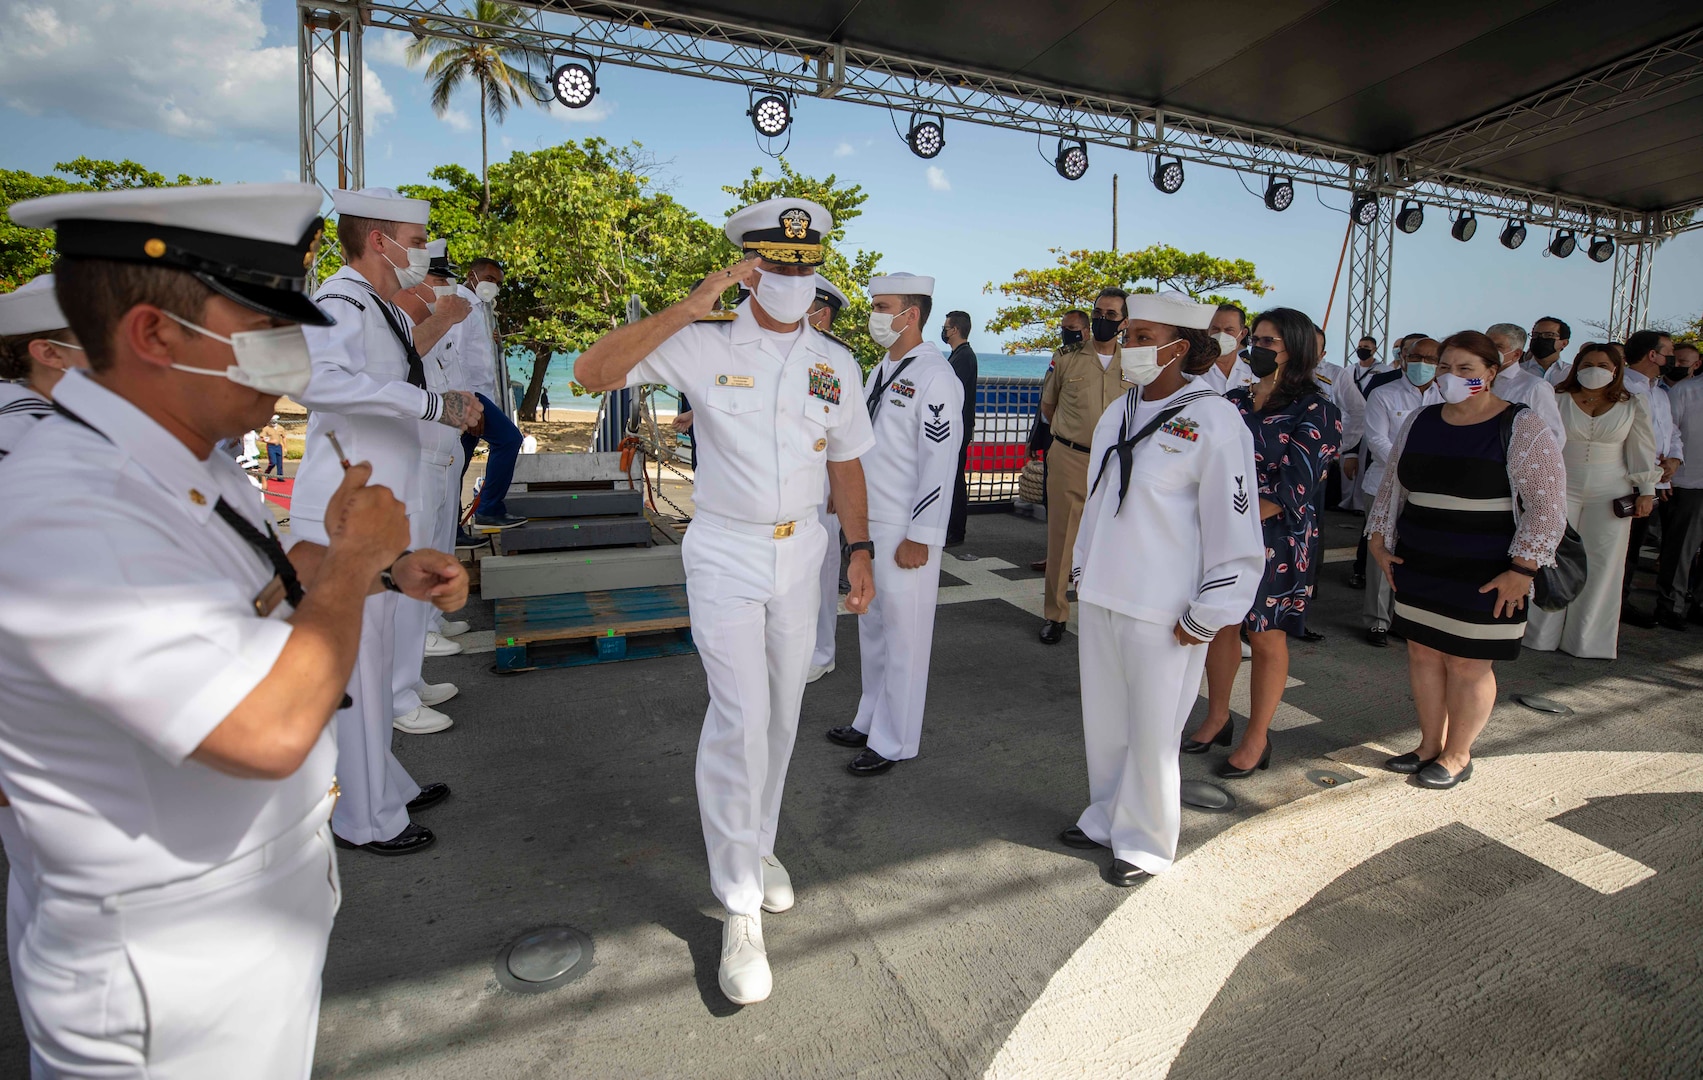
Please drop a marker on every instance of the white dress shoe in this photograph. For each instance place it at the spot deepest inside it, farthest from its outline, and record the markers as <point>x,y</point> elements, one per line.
<point>818,672</point>
<point>435,693</point>
<point>777,886</point>
<point>438,645</point>
<point>744,975</point>
<point>453,628</point>
<point>422,721</point>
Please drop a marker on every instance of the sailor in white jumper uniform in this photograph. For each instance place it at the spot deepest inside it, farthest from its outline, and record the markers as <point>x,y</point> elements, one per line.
<point>830,301</point>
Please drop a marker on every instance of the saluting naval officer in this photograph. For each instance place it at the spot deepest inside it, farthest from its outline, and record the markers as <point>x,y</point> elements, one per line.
<point>369,389</point>
<point>915,404</point>
<point>830,301</point>
<point>168,680</point>
<point>775,406</point>
<point>1169,552</point>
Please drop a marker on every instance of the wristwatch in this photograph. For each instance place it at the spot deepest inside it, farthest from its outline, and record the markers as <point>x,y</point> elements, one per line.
<point>386,579</point>
<point>861,545</point>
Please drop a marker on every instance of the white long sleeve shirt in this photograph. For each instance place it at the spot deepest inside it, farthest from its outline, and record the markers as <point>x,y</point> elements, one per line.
<point>918,425</point>
<point>476,349</point>
<point>1685,403</point>
<point>1185,545</point>
<point>1387,409</point>
<point>1515,383</point>
<point>1669,442</point>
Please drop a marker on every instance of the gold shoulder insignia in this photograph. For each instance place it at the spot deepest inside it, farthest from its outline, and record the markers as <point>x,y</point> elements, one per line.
<point>1322,377</point>
<point>837,341</point>
<point>1073,347</point>
<point>720,317</point>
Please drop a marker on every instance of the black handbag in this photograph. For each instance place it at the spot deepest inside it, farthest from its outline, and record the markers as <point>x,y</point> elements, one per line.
<point>1553,587</point>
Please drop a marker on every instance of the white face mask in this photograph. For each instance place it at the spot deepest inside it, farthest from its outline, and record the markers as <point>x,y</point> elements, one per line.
<point>1141,362</point>
<point>881,329</point>
<point>1595,378</point>
<point>486,291</point>
<point>1456,389</point>
<point>786,298</point>
<point>419,261</point>
<point>1227,343</point>
<point>438,293</point>
<point>273,361</point>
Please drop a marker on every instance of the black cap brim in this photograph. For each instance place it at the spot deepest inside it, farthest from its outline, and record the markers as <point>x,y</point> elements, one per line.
<point>279,303</point>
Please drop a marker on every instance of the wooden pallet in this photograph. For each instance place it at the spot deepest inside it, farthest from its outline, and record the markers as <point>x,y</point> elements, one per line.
<point>571,629</point>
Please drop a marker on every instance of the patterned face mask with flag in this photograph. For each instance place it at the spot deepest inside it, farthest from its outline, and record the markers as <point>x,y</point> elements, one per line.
<point>1456,389</point>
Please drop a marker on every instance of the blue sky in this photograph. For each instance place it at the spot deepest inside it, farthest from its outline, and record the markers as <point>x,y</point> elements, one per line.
<point>208,87</point>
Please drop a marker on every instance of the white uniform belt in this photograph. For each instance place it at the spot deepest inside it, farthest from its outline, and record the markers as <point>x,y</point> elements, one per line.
<point>778,530</point>
<point>244,866</point>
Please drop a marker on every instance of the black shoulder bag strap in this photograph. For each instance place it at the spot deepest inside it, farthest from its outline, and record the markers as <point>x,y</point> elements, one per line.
<point>1124,448</point>
<point>416,369</point>
<point>874,399</point>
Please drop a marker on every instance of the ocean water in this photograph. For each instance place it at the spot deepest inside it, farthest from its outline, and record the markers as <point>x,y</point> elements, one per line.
<point>559,379</point>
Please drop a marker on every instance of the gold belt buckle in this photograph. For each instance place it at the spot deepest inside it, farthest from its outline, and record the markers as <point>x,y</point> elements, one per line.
<point>336,791</point>
<point>784,530</point>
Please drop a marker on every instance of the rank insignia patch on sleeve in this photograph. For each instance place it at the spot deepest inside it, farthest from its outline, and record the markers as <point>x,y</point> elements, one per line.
<point>937,430</point>
<point>1181,427</point>
<point>825,384</point>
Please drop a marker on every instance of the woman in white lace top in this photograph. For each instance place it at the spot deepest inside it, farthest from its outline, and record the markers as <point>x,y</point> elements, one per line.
<point>1611,454</point>
<point>1459,558</point>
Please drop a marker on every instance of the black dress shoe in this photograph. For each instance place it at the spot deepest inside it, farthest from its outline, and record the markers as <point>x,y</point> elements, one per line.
<point>868,763</point>
<point>1356,581</point>
<point>430,795</point>
<point>1407,763</point>
<point>411,839</point>
<point>1124,874</point>
<point>1440,779</point>
<point>1312,636</point>
<point>1633,617</point>
<point>1226,735</point>
<point>1227,771</point>
<point>1671,620</point>
<point>1039,565</point>
<point>1378,637</point>
<point>1052,632</point>
<point>1076,838</point>
<point>848,736</point>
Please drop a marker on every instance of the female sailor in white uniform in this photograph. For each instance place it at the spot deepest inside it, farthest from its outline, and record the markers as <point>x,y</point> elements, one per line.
<point>1169,551</point>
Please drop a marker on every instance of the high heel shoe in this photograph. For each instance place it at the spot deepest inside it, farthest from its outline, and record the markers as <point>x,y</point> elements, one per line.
<point>1226,735</point>
<point>1227,771</point>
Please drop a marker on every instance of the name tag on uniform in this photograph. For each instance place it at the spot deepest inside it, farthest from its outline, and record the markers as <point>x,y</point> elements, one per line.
<point>269,597</point>
<point>824,384</point>
<point>745,381</point>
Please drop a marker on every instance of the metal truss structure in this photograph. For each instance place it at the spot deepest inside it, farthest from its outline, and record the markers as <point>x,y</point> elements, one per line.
<point>1629,301</point>
<point>1371,260</point>
<point>1437,170</point>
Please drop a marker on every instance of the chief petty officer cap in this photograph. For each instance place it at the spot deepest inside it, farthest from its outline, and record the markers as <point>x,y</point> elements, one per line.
<point>31,309</point>
<point>1171,308</point>
<point>782,230</point>
<point>901,284</point>
<point>441,266</point>
<point>830,294</point>
<point>251,243</point>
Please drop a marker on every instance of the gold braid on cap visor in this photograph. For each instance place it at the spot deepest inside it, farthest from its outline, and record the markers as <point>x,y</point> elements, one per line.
<point>776,251</point>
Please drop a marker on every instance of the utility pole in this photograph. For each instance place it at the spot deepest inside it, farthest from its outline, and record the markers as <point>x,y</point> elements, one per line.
<point>1114,211</point>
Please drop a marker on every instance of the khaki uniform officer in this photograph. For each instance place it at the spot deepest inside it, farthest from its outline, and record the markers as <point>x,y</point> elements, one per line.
<point>775,409</point>
<point>1086,377</point>
<point>168,681</point>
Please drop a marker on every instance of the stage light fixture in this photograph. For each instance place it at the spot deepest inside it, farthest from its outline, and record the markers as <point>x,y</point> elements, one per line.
<point>1513,234</point>
<point>1365,208</point>
<point>1601,249</point>
<point>927,136</point>
<point>1412,216</point>
<point>770,114</point>
<point>1071,161</point>
<point>1168,175</point>
<point>1464,226</point>
<point>1563,244</point>
<point>1279,193</point>
<point>575,84</point>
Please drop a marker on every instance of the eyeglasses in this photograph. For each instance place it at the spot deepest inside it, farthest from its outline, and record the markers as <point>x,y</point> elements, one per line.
<point>1267,342</point>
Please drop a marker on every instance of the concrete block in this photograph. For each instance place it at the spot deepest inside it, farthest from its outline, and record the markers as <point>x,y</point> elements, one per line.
<point>570,468</point>
<point>544,573</point>
<point>561,534</point>
<point>576,504</point>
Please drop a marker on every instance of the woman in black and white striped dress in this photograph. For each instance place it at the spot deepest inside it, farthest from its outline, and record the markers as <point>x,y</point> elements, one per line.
<point>1460,562</point>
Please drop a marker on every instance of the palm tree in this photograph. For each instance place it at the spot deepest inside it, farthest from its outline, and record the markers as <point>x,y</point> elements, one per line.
<point>484,58</point>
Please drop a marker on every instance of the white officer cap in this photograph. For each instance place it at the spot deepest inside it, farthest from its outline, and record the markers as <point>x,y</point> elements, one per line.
<point>901,284</point>
<point>782,230</point>
<point>830,294</point>
<point>440,265</point>
<point>381,204</point>
<point>1171,309</point>
<point>251,243</point>
<point>31,309</point>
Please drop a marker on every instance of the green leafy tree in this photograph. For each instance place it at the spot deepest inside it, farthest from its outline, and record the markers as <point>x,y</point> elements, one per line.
<point>485,60</point>
<point>845,202</point>
<point>1039,298</point>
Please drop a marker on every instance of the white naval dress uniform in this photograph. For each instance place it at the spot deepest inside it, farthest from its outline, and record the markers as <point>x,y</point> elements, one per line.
<point>20,408</point>
<point>360,391</point>
<point>918,423</point>
<point>1240,375</point>
<point>1186,546</point>
<point>182,914</point>
<point>770,411</point>
<point>1387,410</point>
<point>828,580</point>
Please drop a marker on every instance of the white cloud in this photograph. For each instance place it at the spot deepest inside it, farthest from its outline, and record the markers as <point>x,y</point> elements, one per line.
<point>600,109</point>
<point>457,119</point>
<point>194,69</point>
<point>386,47</point>
<point>844,150</point>
<point>937,179</point>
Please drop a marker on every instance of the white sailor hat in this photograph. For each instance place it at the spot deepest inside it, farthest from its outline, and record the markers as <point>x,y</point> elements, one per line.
<point>31,309</point>
<point>1171,308</point>
<point>830,294</point>
<point>251,243</point>
<point>440,265</point>
<point>901,284</point>
<point>381,204</point>
<point>782,230</point>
